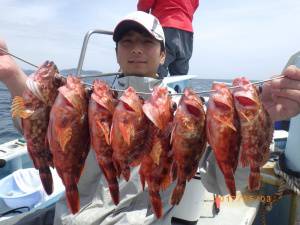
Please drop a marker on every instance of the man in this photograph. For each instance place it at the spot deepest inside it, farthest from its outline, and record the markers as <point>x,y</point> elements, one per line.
<point>176,18</point>
<point>139,51</point>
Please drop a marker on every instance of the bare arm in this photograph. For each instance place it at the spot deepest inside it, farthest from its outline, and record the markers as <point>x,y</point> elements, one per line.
<point>11,74</point>
<point>145,5</point>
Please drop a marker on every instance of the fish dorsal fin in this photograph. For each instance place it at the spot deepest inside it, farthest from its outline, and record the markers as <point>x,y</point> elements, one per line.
<point>18,108</point>
<point>105,129</point>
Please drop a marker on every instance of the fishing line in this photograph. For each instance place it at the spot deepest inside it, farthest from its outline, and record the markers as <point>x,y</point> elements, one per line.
<point>143,93</point>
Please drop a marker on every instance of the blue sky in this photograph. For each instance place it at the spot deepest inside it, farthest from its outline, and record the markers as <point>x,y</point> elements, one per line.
<point>253,38</point>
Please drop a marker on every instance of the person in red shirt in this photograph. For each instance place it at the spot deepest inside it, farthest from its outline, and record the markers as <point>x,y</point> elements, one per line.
<point>176,18</point>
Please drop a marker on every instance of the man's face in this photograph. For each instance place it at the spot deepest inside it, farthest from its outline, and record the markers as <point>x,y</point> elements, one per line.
<point>139,54</point>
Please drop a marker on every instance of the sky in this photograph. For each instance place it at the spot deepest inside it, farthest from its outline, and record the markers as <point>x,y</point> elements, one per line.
<point>252,38</point>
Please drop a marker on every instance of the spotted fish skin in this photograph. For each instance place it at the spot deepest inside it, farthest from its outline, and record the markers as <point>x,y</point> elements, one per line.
<point>188,140</point>
<point>33,107</point>
<point>156,165</point>
<point>128,132</point>
<point>223,135</point>
<point>68,135</point>
<point>256,129</point>
<point>102,105</point>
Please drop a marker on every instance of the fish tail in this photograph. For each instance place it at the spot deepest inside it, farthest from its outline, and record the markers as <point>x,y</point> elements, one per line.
<point>48,153</point>
<point>254,179</point>
<point>142,178</point>
<point>114,191</point>
<point>111,177</point>
<point>229,180</point>
<point>46,178</point>
<point>72,198</point>
<point>230,183</point>
<point>156,203</point>
<point>178,192</point>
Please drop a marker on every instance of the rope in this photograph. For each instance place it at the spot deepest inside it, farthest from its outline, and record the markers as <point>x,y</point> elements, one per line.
<point>288,184</point>
<point>293,183</point>
<point>263,214</point>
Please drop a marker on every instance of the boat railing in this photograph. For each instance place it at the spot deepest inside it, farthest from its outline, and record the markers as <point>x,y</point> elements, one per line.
<point>85,44</point>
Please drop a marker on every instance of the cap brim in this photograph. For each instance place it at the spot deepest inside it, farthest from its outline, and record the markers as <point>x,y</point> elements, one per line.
<point>126,25</point>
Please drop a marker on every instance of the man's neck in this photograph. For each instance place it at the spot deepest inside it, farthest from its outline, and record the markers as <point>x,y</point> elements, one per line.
<point>155,76</point>
<point>140,84</point>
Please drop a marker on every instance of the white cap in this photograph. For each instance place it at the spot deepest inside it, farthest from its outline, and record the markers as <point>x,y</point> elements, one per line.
<point>139,19</point>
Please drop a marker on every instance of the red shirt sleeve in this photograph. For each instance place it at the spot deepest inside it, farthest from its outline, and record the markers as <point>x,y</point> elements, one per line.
<point>145,5</point>
<point>196,4</point>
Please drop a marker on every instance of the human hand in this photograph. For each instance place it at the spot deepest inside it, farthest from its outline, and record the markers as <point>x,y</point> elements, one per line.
<point>281,97</point>
<point>8,66</point>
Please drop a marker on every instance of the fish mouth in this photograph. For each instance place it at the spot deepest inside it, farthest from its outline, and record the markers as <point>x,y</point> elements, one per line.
<point>246,101</point>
